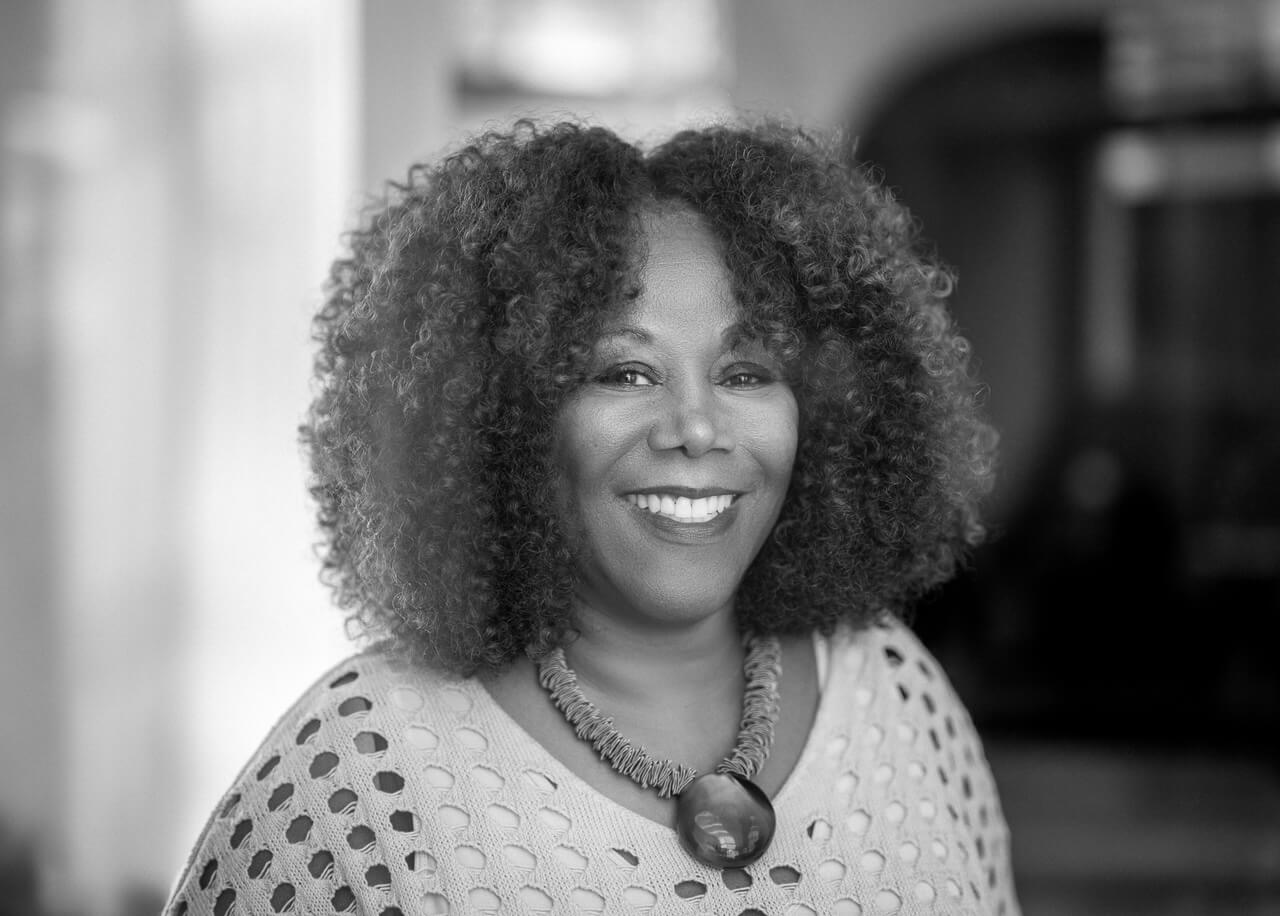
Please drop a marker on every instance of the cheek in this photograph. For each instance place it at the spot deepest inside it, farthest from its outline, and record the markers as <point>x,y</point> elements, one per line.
<point>589,442</point>
<point>776,438</point>
<point>573,448</point>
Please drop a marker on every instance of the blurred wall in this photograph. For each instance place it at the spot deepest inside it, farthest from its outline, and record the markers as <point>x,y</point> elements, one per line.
<point>407,107</point>
<point>175,178</point>
<point>29,716</point>
<point>828,62</point>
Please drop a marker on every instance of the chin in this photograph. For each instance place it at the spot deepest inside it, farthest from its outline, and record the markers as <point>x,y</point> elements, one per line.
<point>685,605</point>
<point>652,581</point>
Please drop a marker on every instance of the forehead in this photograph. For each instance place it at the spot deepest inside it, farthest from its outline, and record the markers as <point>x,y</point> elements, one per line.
<point>675,238</point>
<point>685,285</point>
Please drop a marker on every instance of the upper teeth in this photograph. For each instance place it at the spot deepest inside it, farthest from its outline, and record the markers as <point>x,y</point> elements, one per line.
<point>682,508</point>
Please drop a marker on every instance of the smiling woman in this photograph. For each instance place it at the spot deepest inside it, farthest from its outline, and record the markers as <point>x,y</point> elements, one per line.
<point>630,459</point>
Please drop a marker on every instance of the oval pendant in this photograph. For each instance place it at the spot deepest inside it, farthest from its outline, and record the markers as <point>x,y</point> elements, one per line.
<point>724,820</point>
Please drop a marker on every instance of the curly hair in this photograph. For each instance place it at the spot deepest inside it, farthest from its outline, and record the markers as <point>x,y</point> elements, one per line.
<point>465,314</point>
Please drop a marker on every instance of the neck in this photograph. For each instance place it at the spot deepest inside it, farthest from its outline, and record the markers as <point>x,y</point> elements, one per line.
<point>667,665</point>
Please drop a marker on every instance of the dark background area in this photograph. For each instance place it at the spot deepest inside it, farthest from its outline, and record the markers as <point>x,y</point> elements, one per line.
<point>1114,186</point>
<point>1144,540</point>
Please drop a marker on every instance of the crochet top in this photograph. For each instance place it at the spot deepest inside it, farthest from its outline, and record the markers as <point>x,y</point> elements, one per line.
<point>393,791</point>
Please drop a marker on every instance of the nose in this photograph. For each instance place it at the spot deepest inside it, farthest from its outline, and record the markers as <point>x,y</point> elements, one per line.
<point>693,422</point>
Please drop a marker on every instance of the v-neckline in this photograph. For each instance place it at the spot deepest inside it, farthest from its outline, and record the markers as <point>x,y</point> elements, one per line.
<point>827,708</point>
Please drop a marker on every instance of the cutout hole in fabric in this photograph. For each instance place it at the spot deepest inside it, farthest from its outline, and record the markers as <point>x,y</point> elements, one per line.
<point>259,864</point>
<point>361,839</point>
<point>321,865</point>
<point>265,770</point>
<point>453,818</point>
<point>625,857</point>
<point>343,900</point>
<point>588,901</point>
<point>832,871</point>
<point>540,781</point>
<point>308,731</point>
<point>470,857</point>
<point>241,833</point>
<point>435,905</point>
<point>570,858</point>
<point>503,817</point>
<point>323,764</point>
<point>299,829</point>
<point>888,902</point>
<point>871,861</point>
<point>819,831</point>
<point>282,898</point>
<point>784,876</point>
<point>484,901</point>
<point>354,705</point>
<point>639,897</point>
<point>343,802</point>
<point>691,890</point>
<point>519,858</point>
<point>226,900</point>
<point>421,862</point>
<point>280,796</point>
<point>231,804</point>
<point>370,743</point>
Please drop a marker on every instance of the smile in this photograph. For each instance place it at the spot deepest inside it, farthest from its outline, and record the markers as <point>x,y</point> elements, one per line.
<point>682,508</point>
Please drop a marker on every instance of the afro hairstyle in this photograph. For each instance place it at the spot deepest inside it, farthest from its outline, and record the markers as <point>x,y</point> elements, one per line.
<point>465,313</point>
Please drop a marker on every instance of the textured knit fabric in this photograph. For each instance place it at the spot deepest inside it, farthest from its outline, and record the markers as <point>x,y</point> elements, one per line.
<point>389,790</point>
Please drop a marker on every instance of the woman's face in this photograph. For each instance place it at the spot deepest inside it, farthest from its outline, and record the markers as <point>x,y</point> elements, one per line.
<point>677,451</point>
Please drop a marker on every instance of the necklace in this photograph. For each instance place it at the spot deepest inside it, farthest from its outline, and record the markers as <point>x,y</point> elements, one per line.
<point>723,819</point>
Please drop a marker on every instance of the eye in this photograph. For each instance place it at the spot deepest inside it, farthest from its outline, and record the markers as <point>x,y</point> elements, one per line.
<point>629,375</point>
<point>747,376</point>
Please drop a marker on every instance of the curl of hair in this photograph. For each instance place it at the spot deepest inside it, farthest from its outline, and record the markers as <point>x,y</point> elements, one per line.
<point>465,312</point>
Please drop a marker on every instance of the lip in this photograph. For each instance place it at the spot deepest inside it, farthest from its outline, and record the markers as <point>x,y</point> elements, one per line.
<point>690,492</point>
<point>687,533</point>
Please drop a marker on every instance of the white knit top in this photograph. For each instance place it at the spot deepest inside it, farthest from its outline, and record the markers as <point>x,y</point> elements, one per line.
<point>392,791</point>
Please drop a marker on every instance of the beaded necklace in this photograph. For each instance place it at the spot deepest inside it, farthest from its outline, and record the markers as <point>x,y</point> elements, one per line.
<point>723,819</point>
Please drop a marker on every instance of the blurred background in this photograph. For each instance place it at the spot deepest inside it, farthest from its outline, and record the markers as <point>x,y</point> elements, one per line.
<point>1104,176</point>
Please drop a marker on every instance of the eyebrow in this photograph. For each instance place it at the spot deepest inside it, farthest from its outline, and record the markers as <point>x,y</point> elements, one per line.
<point>628,331</point>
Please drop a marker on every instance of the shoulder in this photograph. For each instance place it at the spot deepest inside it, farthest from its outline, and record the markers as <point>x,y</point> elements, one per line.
<point>918,777</point>
<point>887,657</point>
<point>322,758</point>
<point>900,692</point>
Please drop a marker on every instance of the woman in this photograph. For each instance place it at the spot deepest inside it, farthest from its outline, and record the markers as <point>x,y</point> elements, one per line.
<point>630,460</point>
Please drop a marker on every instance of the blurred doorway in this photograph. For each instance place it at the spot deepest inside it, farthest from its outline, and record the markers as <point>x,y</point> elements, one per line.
<point>1118,276</point>
<point>1109,196</point>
